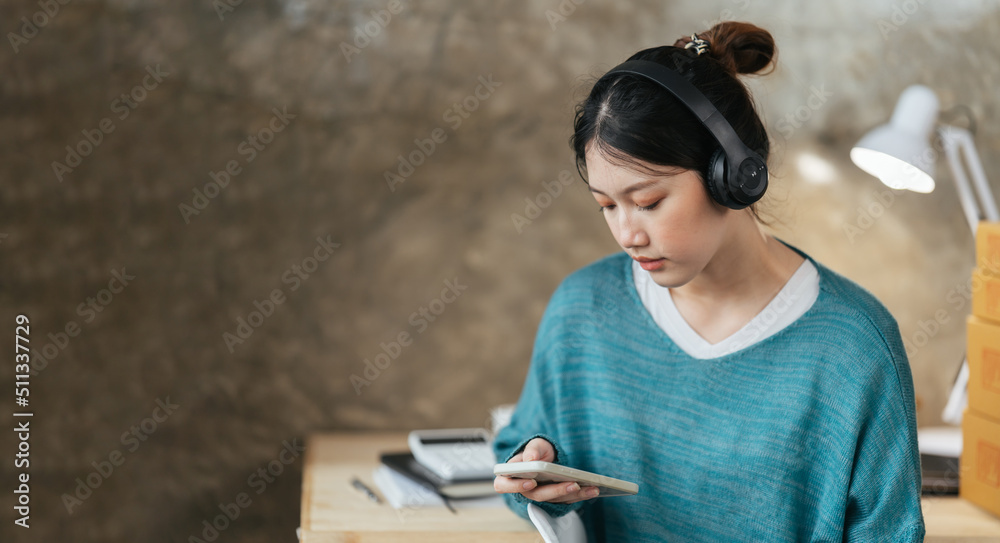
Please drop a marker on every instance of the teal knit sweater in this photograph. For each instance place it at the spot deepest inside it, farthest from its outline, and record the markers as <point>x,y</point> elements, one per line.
<point>808,435</point>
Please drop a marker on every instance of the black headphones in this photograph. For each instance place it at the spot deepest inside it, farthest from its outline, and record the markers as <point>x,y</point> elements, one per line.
<point>734,187</point>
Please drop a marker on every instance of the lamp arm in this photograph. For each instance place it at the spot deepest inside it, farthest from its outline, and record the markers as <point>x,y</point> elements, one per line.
<point>957,140</point>
<point>958,398</point>
<point>986,199</point>
<point>951,140</point>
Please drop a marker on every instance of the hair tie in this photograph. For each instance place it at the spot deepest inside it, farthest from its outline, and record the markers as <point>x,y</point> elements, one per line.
<point>698,44</point>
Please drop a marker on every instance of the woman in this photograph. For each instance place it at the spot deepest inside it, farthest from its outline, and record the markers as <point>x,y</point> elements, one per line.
<point>751,392</point>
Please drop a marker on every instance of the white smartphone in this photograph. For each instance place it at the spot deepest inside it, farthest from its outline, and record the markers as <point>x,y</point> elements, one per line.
<point>547,472</point>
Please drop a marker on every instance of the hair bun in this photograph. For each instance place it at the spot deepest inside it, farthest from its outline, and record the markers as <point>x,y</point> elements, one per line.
<point>741,48</point>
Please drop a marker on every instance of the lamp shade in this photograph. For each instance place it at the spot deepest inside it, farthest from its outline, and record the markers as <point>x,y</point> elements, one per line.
<point>899,152</point>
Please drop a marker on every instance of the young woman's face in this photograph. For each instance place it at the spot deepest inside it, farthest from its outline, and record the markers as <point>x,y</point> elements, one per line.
<point>668,216</point>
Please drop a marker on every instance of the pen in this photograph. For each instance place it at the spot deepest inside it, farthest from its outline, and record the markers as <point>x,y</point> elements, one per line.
<point>447,503</point>
<point>356,483</point>
<point>434,489</point>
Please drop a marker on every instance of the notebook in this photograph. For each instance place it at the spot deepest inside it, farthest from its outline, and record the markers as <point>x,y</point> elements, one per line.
<point>405,464</point>
<point>404,493</point>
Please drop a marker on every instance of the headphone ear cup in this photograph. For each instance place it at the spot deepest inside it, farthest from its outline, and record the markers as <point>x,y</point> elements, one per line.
<point>716,180</point>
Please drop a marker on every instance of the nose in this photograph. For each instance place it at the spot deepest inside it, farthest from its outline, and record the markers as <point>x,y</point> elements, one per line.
<point>631,232</point>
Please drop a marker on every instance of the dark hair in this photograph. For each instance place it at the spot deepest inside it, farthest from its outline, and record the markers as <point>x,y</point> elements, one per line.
<point>629,117</point>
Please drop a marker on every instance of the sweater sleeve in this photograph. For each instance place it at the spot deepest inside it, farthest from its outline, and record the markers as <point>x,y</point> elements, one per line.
<point>883,502</point>
<point>535,416</point>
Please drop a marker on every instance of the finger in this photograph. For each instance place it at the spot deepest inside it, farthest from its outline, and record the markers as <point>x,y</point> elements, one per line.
<point>506,485</point>
<point>539,449</point>
<point>585,493</point>
<point>559,493</point>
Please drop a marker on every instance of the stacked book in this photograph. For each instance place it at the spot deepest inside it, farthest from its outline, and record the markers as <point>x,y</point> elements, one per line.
<point>980,479</point>
<point>405,481</point>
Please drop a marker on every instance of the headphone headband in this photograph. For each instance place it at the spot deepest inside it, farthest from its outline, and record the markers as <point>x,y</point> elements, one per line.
<point>742,171</point>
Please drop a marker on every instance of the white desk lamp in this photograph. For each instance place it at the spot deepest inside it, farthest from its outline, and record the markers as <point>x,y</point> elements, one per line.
<point>900,154</point>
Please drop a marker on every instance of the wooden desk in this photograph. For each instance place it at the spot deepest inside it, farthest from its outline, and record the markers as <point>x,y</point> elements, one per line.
<point>334,512</point>
<point>954,520</point>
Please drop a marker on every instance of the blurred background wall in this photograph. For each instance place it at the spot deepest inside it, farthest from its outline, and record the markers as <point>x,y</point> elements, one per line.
<point>311,105</point>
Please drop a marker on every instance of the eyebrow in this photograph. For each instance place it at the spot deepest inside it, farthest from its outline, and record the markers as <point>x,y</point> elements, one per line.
<point>638,186</point>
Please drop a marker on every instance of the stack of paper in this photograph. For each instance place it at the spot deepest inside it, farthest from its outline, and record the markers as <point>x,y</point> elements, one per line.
<point>402,492</point>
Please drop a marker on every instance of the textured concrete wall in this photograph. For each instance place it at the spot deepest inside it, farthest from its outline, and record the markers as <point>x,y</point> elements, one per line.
<point>480,94</point>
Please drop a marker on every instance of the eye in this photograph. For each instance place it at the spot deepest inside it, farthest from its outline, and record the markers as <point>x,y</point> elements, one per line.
<point>650,206</point>
<point>602,208</point>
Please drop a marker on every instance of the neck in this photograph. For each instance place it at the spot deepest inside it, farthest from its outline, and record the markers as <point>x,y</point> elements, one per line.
<point>749,268</point>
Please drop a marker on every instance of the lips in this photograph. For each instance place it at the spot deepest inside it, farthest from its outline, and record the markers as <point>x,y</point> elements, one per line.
<point>650,264</point>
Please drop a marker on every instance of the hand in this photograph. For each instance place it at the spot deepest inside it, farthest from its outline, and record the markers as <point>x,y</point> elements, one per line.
<point>540,449</point>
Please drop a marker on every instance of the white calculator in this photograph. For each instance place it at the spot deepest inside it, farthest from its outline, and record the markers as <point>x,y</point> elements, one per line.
<point>454,453</point>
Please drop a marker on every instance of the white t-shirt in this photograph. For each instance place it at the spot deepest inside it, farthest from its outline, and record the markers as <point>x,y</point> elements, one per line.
<point>794,299</point>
